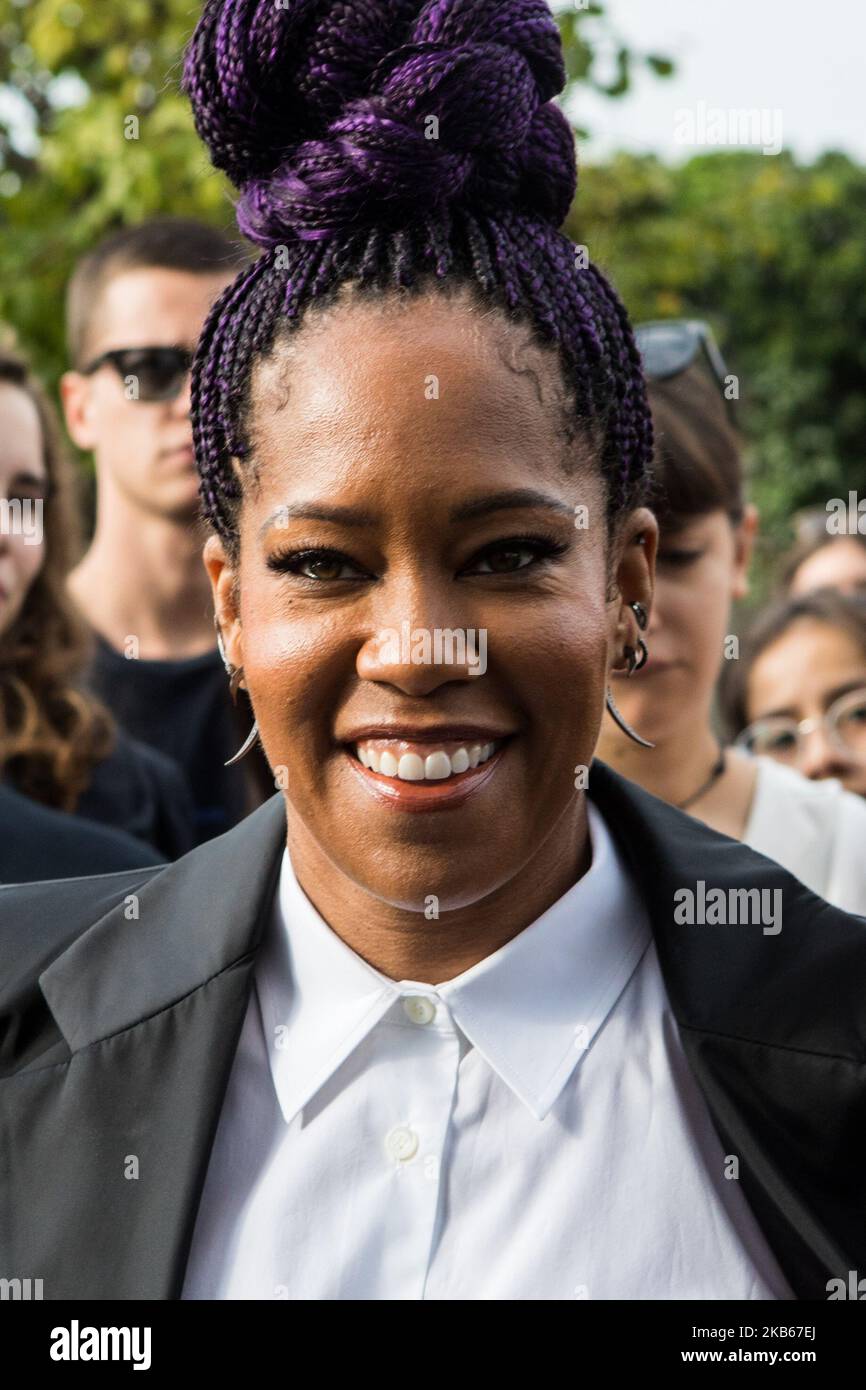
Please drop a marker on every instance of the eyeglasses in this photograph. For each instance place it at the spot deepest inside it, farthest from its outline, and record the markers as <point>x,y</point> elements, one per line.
<point>159,372</point>
<point>782,738</point>
<point>670,346</point>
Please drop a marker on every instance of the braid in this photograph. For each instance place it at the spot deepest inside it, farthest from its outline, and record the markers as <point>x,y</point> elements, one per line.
<point>319,111</point>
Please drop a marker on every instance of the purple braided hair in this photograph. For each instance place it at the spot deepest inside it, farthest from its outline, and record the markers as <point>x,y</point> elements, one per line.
<point>399,144</point>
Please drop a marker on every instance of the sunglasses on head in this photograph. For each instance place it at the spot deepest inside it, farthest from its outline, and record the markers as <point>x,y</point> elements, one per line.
<point>160,372</point>
<point>670,346</point>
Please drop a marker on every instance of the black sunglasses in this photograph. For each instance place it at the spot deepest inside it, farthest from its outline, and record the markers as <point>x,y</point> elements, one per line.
<point>159,372</point>
<point>670,346</point>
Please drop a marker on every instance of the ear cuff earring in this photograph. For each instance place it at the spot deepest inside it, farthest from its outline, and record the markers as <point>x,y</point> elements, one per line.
<point>635,663</point>
<point>236,675</point>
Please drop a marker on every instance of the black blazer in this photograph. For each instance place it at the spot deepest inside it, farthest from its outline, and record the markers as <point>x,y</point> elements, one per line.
<point>122,999</point>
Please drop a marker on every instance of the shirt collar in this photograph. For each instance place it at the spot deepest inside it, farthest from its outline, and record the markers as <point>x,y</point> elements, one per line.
<point>532,1008</point>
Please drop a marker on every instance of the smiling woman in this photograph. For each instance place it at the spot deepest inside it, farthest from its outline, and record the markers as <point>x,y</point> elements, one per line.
<point>371,505</point>
<point>450,939</point>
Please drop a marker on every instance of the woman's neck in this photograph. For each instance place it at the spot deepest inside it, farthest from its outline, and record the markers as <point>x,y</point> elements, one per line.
<point>676,768</point>
<point>680,770</point>
<point>406,945</point>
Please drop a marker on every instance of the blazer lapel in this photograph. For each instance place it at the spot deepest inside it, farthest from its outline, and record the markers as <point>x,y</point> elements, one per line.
<point>110,1148</point>
<point>773,1025</point>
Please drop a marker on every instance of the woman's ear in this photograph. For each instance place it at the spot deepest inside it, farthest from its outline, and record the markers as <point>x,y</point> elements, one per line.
<point>634,577</point>
<point>744,544</point>
<point>224,586</point>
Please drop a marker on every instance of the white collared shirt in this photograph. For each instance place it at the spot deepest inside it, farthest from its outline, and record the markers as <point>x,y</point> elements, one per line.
<point>529,1130</point>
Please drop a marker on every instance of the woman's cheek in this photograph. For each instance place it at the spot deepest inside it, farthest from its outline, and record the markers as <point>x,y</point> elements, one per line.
<point>29,560</point>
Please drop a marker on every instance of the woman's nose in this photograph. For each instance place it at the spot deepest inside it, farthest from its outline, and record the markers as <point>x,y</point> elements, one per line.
<point>418,659</point>
<point>819,757</point>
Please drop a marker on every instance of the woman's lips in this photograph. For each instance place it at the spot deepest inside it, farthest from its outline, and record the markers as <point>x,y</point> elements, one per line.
<point>421,785</point>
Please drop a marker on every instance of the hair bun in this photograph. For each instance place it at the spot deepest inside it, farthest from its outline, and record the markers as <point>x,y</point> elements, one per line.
<point>322,112</point>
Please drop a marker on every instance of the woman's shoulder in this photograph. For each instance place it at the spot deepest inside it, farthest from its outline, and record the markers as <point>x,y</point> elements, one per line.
<point>778,785</point>
<point>817,830</point>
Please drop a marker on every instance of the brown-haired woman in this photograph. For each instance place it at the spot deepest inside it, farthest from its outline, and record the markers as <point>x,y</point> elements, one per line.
<point>798,693</point>
<point>58,745</point>
<point>823,559</point>
<point>814,828</point>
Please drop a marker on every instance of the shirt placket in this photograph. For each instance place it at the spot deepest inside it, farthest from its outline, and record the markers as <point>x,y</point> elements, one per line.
<point>417,1054</point>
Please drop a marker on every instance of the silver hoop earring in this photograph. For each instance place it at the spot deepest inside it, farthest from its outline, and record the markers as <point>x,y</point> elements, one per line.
<point>247,744</point>
<point>221,649</point>
<point>626,728</point>
<point>235,675</point>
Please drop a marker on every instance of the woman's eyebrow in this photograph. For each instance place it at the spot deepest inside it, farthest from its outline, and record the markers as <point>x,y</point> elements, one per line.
<point>846,688</point>
<point>827,699</point>
<point>318,511</point>
<point>514,500</point>
<point>518,498</point>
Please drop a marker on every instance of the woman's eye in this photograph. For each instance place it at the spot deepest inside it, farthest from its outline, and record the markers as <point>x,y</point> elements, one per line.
<point>321,565</point>
<point>508,557</point>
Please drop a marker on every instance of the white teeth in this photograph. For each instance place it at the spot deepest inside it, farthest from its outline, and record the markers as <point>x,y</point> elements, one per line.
<point>459,761</point>
<point>438,765</point>
<point>388,764</point>
<point>410,767</point>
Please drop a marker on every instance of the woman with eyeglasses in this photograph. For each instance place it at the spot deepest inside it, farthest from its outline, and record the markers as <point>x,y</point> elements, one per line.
<point>798,694</point>
<point>706,532</point>
<point>58,744</point>
<point>460,1013</point>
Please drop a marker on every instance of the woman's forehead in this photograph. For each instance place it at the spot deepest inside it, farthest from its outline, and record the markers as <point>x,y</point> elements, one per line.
<point>420,388</point>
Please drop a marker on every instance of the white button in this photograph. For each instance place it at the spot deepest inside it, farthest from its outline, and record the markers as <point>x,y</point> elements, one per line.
<point>419,1009</point>
<point>401,1143</point>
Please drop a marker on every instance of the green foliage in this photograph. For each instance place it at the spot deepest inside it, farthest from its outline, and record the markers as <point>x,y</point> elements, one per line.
<point>772,254</point>
<point>89,168</point>
<point>84,173</point>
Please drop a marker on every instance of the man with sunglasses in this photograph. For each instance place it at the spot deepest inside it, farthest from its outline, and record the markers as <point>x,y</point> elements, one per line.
<point>135,307</point>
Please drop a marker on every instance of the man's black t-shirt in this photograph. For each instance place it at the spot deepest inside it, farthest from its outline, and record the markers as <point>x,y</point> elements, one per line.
<point>183,708</point>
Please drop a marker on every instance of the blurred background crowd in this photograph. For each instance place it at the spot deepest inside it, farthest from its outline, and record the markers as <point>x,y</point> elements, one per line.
<point>744,271</point>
